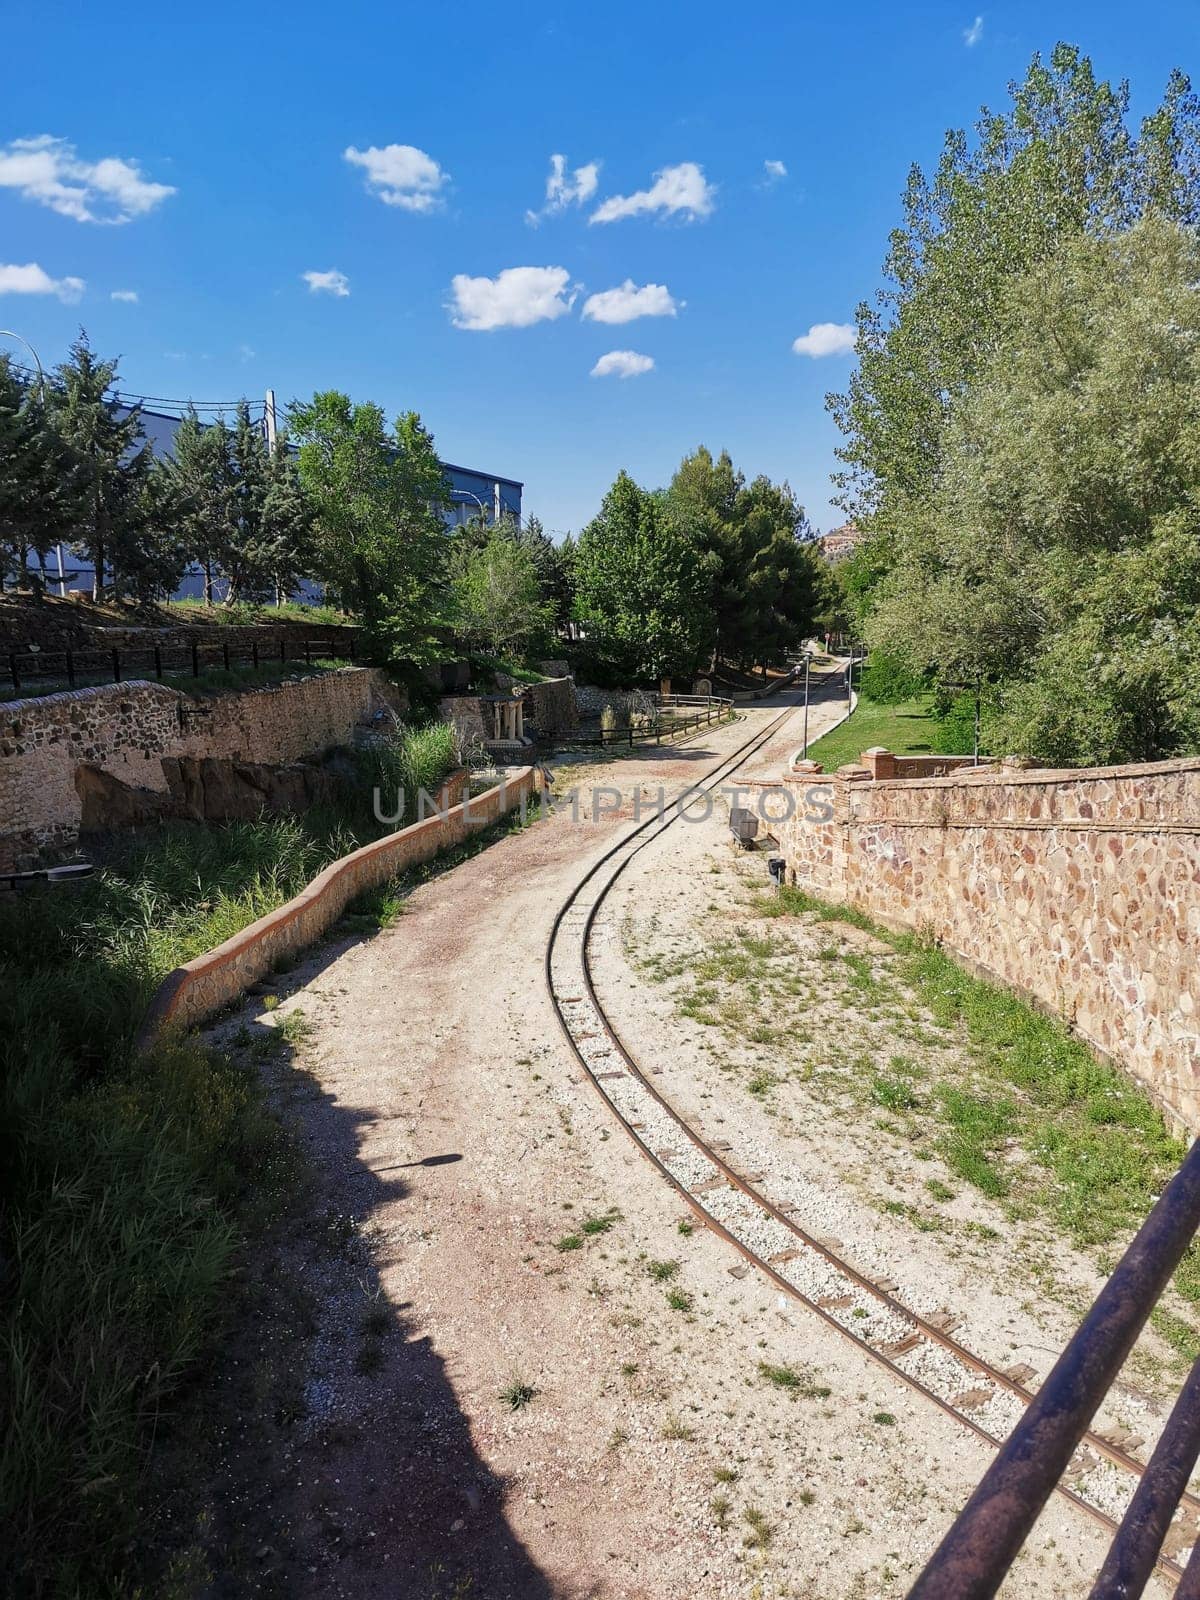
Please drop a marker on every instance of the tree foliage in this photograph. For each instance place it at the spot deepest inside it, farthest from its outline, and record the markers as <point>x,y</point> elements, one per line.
<point>1058,557</point>
<point>1059,161</point>
<point>767,585</point>
<point>39,487</point>
<point>500,608</point>
<point>642,588</point>
<point>117,516</point>
<point>379,537</point>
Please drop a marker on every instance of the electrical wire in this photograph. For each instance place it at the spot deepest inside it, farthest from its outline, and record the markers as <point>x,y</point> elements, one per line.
<point>127,396</point>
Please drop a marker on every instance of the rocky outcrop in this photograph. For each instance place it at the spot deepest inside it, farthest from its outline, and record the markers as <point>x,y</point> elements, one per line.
<point>107,803</point>
<point>217,789</point>
<point>203,789</point>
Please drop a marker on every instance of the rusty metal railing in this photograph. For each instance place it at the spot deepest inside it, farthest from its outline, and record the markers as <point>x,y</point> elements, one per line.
<point>973,1558</point>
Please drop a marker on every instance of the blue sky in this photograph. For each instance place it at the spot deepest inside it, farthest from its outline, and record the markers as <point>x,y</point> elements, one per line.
<point>402,147</point>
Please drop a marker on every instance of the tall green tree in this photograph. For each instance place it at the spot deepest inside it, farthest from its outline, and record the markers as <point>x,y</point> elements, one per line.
<point>111,463</point>
<point>202,481</point>
<point>287,524</point>
<point>39,486</point>
<point>380,541</point>
<point>246,559</point>
<point>1057,560</point>
<point>499,604</point>
<point>1060,160</point>
<point>642,588</point>
<point>767,585</point>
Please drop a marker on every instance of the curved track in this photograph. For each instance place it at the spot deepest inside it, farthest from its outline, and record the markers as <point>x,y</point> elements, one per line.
<point>981,1397</point>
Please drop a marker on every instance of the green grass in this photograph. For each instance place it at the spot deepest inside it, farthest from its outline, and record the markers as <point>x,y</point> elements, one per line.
<point>907,729</point>
<point>243,612</point>
<point>1095,1152</point>
<point>797,1383</point>
<point>126,1184</point>
<point>237,678</point>
<point>517,1394</point>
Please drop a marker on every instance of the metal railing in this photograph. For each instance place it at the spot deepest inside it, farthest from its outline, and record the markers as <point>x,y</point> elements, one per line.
<point>973,1558</point>
<point>45,670</point>
<point>708,709</point>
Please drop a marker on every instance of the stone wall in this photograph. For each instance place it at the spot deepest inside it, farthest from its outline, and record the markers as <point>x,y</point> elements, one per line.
<point>204,986</point>
<point>550,706</point>
<point>1080,888</point>
<point>591,701</point>
<point>128,729</point>
<point>465,713</point>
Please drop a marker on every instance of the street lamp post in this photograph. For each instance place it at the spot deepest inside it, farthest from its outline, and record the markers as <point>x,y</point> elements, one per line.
<point>807,666</point>
<point>455,493</point>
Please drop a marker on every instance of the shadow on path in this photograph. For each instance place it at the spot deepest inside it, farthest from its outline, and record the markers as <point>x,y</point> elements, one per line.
<point>326,1452</point>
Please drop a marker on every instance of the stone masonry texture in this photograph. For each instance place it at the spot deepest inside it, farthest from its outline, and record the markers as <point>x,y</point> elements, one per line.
<point>1078,888</point>
<point>127,729</point>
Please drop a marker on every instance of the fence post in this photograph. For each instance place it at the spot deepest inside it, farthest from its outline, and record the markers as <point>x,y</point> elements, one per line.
<point>195,659</point>
<point>308,652</point>
<point>254,653</point>
<point>353,645</point>
<point>157,662</point>
<point>12,667</point>
<point>70,668</point>
<point>116,655</point>
<point>225,654</point>
<point>282,650</point>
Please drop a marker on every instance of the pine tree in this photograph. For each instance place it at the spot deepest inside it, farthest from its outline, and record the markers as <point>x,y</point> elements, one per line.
<point>201,476</point>
<point>287,524</point>
<point>111,467</point>
<point>38,483</point>
<point>247,560</point>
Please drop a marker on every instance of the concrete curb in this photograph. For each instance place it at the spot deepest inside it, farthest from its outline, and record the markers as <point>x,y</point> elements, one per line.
<point>208,983</point>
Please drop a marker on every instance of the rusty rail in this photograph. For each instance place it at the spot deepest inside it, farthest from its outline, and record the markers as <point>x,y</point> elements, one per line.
<point>973,1558</point>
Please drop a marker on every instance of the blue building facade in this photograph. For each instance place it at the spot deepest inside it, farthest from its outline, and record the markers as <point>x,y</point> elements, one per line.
<point>471,494</point>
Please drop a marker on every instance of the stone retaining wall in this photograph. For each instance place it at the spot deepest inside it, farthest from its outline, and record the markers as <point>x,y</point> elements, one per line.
<point>127,729</point>
<point>212,981</point>
<point>1080,888</point>
<point>591,701</point>
<point>550,706</point>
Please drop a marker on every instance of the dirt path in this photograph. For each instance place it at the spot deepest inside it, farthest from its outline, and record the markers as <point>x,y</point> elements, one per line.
<point>478,1227</point>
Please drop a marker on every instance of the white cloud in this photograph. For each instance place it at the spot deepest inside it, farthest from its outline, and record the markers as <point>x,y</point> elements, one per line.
<point>826,339</point>
<point>774,172</point>
<point>973,34</point>
<point>565,189</point>
<point>128,296</point>
<point>629,302</point>
<point>50,171</point>
<point>401,175</point>
<point>683,189</point>
<point>515,298</point>
<point>331,282</point>
<point>31,279</point>
<point>622,364</point>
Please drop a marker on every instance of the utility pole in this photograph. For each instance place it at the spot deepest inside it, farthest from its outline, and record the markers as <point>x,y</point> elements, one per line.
<point>270,421</point>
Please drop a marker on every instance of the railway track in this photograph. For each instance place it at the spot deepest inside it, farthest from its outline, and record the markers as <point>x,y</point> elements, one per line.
<point>918,1350</point>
